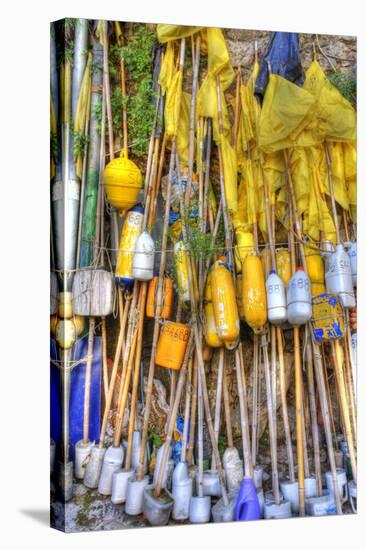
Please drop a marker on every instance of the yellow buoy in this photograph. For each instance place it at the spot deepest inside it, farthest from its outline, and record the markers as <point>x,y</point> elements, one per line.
<point>181,269</point>
<point>64,309</point>
<point>314,265</point>
<point>65,333</point>
<point>317,289</point>
<point>254,292</point>
<point>122,182</point>
<point>130,233</point>
<point>244,246</point>
<point>224,303</point>
<point>283,264</point>
<point>211,335</point>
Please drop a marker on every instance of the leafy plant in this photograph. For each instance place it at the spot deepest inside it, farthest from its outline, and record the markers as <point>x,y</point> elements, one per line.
<point>346,83</point>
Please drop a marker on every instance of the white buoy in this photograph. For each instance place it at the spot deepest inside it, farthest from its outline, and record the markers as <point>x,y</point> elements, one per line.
<point>276,511</point>
<point>276,299</point>
<point>136,447</point>
<point>258,476</point>
<point>299,298</point>
<point>310,486</point>
<point>290,491</point>
<point>182,491</point>
<point>341,482</point>
<point>352,493</point>
<point>119,485</point>
<point>233,467</point>
<point>321,506</point>
<point>82,454</point>
<point>159,457</point>
<point>94,467</point>
<point>52,455</point>
<point>200,509</point>
<point>352,253</point>
<point>135,495</point>
<point>338,278</point>
<point>112,462</point>
<point>143,258</point>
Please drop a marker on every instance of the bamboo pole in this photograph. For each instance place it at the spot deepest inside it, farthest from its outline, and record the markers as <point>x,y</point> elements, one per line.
<point>173,416</point>
<point>200,434</point>
<point>156,331</point>
<point>104,358</point>
<point>281,362</point>
<point>243,404</point>
<point>192,425</point>
<point>338,366</point>
<point>192,119</point>
<point>88,372</point>
<point>314,424</point>
<point>187,404</point>
<point>229,429</point>
<point>237,109</point>
<point>255,397</point>
<point>326,419</point>
<point>219,384</point>
<point>349,388</point>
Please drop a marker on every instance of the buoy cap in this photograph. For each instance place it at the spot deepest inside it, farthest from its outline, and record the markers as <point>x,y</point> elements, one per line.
<point>300,269</point>
<point>272,271</point>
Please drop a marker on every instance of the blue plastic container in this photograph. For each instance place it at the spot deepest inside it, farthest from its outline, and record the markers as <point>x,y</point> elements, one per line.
<point>247,504</point>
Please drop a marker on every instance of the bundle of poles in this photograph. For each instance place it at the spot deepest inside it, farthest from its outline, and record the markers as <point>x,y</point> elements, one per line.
<point>206,481</point>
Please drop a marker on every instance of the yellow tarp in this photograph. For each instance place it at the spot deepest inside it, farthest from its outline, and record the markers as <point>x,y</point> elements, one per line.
<point>166,33</point>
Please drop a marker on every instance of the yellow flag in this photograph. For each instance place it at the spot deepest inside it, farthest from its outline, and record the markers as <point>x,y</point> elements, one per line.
<point>230,175</point>
<point>173,104</point>
<point>167,69</point>
<point>335,116</point>
<point>286,111</point>
<point>166,33</point>
<point>183,129</point>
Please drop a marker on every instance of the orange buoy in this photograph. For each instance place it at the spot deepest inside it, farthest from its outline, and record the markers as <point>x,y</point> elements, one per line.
<point>172,345</point>
<point>167,298</point>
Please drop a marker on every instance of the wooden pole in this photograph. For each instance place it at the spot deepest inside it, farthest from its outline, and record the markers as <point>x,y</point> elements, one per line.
<point>219,385</point>
<point>192,119</point>
<point>104,358</point>
<point>255,397</point>
<point>192,425</point>
<point>229,429</point>
<point>243,404</point>
<point>88,372</point>
<point>314,423</point>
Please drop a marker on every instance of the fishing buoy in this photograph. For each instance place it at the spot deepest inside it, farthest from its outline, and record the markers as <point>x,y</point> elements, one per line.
<point>210,331</point>
<point>276,299</point>
<point>314,266</point>
<point>298,298</point>
<point>172,345</point>
<point>342,483</point>
<point>181,269</point>
<point>122,182</point>
<point>168,467</point>
<point>338,278</point>
<point>182,491</point>
<point>352,253</point>
<point>64,309</point>
<point>276,511</point>
<point>244,246</point>
<point>352,492</point>
<point>317,289</point>
<point>247,506</point>
<point>254,293</point>
<point>283,263</point>
<point>224,304</point>
<point>167,298</point>
<point>157,510</point>
<point>130,233</point>
<point>65,333</point>
<point>93,293</point>
<point>143,258</point>
<point>112,462</point>
<point>135,495</point>
<point>321,506</point>
<point>94,467</point>
<point>200,509</point>
<point>119,485</point>
<point>82,453</point>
